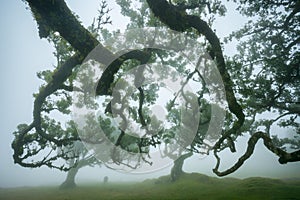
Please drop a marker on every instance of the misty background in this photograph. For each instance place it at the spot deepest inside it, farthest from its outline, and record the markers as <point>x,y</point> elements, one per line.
<point>23,54</point>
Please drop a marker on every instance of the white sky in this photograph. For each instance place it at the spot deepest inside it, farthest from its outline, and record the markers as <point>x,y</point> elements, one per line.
<point>23,54</point>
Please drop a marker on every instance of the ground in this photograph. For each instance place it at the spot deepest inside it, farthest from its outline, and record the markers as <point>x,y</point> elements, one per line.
<point>190,186</point>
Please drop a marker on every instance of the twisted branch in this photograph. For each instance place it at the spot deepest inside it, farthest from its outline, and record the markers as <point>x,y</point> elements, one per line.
<point>284,157</point>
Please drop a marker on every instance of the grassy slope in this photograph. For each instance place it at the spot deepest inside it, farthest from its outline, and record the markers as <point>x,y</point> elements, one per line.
<point>190,186</point>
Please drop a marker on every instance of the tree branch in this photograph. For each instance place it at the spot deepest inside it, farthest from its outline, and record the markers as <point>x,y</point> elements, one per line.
<point>284,157</point>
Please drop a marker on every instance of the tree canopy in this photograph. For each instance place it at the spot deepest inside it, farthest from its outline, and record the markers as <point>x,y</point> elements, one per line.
<point>259,94</point>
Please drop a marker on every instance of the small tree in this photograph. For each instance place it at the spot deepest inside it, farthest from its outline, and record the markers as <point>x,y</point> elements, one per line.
<point>105,179</point>
<point>80,157</point>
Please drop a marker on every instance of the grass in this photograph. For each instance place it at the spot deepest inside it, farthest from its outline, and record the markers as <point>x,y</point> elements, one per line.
<point>190,186</point>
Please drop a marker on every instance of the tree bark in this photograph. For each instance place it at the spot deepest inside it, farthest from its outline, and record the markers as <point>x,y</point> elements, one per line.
<point>176,170</point>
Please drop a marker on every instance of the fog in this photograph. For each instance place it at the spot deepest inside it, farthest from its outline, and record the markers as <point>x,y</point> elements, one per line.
<point>23,54</point>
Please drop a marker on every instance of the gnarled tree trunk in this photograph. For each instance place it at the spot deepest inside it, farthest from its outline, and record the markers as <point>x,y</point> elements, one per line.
<point>70,180</point>
<point>176,170</point>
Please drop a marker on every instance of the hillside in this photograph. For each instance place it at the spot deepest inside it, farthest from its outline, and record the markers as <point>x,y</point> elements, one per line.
<point>190,186</point>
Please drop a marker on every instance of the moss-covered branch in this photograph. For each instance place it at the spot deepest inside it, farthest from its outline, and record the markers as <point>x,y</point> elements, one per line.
<point>178,20</point>
<point>284,157</point>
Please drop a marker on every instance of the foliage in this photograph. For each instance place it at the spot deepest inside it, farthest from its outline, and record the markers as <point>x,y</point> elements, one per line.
<point>266,69</point>
<point>261,83</point>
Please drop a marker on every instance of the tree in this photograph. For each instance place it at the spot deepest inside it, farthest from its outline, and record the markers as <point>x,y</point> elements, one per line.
<point>176,170</point>
<point>234,107</point>
<point>79,157</point>
<point>182,131</point>
<point>69,156</point>
<point>266,76</point>
<point>280,93</point>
